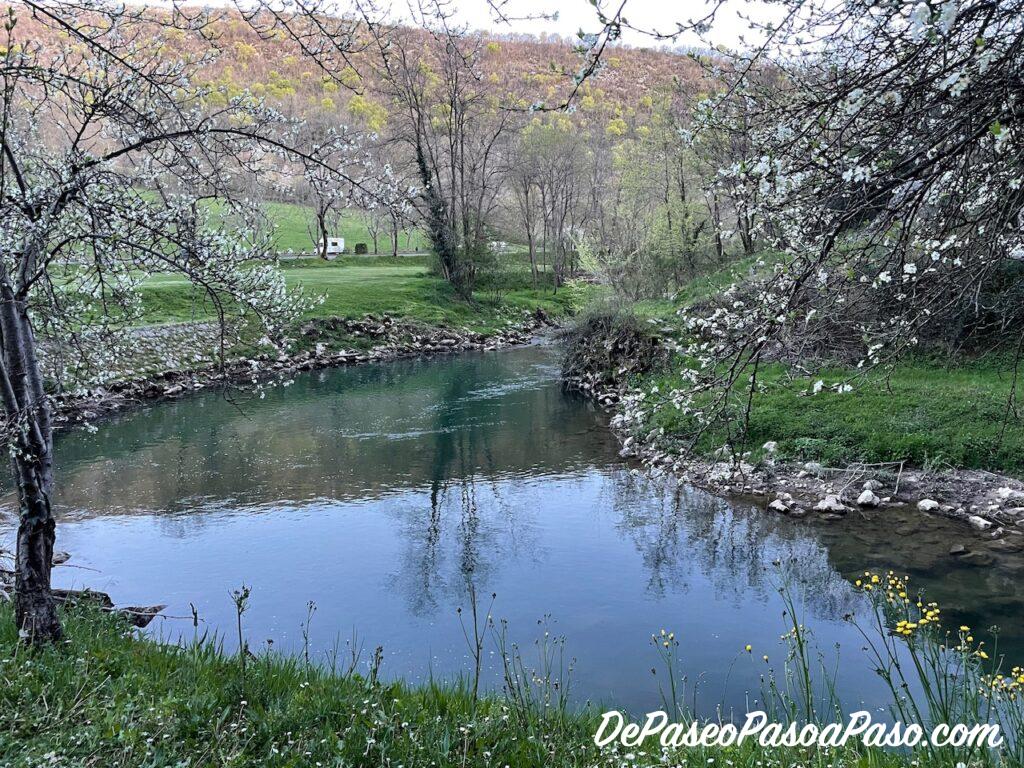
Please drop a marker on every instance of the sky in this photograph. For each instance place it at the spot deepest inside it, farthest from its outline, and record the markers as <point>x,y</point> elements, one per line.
<point>574,15</point>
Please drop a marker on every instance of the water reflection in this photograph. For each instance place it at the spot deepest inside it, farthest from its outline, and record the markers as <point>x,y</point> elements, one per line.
<point>383,492</point>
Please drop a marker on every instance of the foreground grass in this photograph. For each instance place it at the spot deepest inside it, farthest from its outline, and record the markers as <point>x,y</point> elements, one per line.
<point>923,412</point>
<point>353,287</point>
<point>108,698</point>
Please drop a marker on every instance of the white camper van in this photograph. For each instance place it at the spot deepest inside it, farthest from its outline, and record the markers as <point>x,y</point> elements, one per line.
<point>335,247</point>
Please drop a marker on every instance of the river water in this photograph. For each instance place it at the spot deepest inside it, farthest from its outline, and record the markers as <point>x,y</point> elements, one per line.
<point>382,492</point>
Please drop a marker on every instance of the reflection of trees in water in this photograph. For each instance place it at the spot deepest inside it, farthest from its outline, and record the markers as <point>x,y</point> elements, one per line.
<point>653,521</point>
<point>460,452</point>
<point>677,531</point>
<point>677,528</point>
<point>457,542</point>
<point>348,435</point>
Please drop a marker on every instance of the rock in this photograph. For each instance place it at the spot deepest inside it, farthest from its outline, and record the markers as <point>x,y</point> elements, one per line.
<point>831,517</point>
<point>59,558</point>
<point>770,447</point>
<point>980,559</point>
<point>779,506</point>
<point>979,523</point>
<point>813,468</point>
<point>1009,494</point>
<point>1008,545</point>
<point>958,550</point>
<point>871,485</point>
<point>868,499</point>
<point>140,616</point>
<point>831,504</point>
<point>927,505</point>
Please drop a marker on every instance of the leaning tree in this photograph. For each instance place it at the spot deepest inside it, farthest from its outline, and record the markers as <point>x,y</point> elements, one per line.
<point>118,163</point>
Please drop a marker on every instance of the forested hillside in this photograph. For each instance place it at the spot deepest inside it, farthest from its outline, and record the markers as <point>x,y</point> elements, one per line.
<point>547,159</point>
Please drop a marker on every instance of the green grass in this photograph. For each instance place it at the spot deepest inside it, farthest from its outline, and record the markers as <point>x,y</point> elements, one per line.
<point>922,412</point>
<point>353,287</point>
<point>108,698</point>
<point>293,221</point>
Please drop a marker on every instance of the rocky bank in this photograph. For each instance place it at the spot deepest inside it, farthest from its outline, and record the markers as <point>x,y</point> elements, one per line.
<point>990,506</point>
<point>373,338</point>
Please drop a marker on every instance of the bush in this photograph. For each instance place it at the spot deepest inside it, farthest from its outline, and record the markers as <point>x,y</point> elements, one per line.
<point>609,345</point>
<point>361,249</point>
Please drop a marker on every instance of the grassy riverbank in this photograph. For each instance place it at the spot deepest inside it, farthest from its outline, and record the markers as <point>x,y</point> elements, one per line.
<point>926,412</point>
<point>930,410</point>
<point>108,698</point>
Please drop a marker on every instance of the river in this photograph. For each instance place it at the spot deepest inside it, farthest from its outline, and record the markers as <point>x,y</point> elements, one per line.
<point>381,492</point>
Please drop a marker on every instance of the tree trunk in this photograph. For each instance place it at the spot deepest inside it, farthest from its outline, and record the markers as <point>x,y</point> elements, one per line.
<point>439,227</point>
<point>321,223</point>
<point>35,610</point>
<point>532,240</point>
<point>28,419</point>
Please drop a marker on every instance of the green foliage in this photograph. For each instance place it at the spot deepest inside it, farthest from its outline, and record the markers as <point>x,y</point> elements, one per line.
<point>361,249</point>
<point>657,238</point>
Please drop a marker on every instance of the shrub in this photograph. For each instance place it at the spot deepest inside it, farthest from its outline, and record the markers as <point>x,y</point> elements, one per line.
<point>361,249</point>
<point>608,345</point>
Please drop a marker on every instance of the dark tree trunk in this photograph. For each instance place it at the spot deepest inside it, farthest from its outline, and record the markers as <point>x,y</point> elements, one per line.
<point>532,241</point>
<point>321,224</point>
<point>28,421</point>
<point>442,236</point>
<point>35,610</point>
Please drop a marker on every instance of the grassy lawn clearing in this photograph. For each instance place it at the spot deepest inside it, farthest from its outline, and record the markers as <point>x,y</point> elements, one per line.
<point>293,222</point>
<point>353,287</point>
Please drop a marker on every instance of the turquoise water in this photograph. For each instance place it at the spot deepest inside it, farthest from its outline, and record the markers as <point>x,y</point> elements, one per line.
<point>380,493</point>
